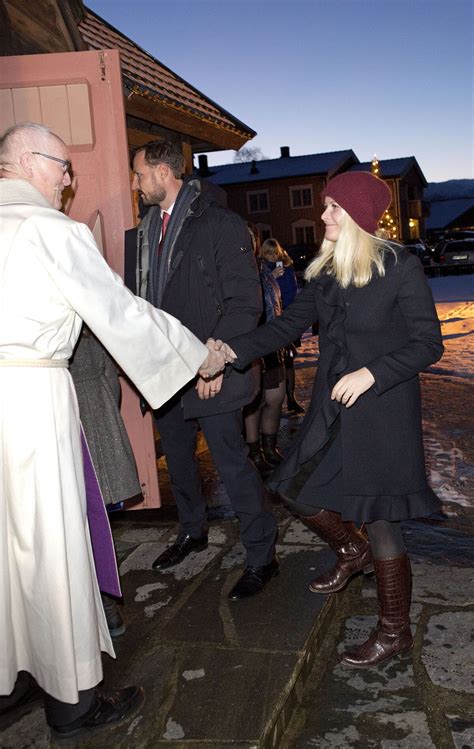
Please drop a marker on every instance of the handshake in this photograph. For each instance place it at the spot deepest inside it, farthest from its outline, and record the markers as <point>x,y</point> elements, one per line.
<point>211,370</point>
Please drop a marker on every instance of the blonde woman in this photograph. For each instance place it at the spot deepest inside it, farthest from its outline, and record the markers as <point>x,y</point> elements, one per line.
<point>358,457</point>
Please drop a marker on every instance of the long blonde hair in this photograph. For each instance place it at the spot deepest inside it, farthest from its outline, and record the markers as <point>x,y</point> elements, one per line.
<point>353,257</point>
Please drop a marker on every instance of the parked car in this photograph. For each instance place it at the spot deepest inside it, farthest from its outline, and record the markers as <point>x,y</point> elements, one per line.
<point>455,252</point>
<point>417,247</point>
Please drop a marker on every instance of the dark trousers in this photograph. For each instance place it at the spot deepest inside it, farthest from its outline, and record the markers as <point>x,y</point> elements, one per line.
<point>223,433</point>
<point>61,713</point>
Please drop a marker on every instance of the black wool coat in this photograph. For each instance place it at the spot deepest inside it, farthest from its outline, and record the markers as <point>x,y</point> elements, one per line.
<point>391,327</point>
<point>213,287</point>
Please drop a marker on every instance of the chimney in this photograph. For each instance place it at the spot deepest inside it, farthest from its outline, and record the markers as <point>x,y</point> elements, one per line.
<point>203,165</point>
<point>253,167</point>
<point>284,152</point>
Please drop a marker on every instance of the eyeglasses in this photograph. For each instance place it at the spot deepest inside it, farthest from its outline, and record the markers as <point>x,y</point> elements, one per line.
<point>65,163</point>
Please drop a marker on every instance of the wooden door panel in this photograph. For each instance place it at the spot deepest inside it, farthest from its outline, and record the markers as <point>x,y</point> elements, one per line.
<point>79,96</point>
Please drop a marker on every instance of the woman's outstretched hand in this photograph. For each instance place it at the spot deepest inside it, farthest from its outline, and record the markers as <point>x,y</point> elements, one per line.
<point>224,348</point>
<point>219,355</point>
<point>213,364</point>
<point>351,386</point>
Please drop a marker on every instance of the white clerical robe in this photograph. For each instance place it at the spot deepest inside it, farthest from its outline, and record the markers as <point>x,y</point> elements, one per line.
<point>52,276</point>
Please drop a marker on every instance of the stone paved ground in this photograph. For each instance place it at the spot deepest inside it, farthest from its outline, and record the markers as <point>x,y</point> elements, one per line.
<point>264,673</point>
<point>425,701</point>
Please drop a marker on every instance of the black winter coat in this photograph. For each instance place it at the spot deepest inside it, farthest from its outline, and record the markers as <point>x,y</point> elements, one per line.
<point>213,287</point>
<point>389,326</point>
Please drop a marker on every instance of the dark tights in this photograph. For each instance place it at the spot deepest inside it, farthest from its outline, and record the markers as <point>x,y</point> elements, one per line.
<point>385,536</point>
<point>264,414</point>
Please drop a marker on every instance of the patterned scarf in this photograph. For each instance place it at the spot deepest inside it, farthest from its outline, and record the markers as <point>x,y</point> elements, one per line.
<point>152,269</point>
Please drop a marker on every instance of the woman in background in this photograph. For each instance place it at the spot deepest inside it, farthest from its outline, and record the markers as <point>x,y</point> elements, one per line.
<point>262,417</point>
<point>279,258</point>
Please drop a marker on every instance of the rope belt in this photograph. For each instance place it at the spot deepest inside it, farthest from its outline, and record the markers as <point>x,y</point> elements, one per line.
<point>34,362</point>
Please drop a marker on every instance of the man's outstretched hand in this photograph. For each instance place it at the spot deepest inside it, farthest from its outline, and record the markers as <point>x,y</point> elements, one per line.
<point>209,388</point>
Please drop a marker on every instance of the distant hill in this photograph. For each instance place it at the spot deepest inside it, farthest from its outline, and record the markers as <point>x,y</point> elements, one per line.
<point>452,189</point>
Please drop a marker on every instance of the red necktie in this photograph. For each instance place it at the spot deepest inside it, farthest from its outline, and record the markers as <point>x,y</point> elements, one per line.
<point>164,224</point>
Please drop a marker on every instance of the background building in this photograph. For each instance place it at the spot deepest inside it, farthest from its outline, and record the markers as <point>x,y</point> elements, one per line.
<point>281,196</point>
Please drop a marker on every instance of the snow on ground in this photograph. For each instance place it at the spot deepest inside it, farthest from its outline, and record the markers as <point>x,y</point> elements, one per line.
<point>457,327</point>
<point>454,297</point>
<point>452,288</point>
<point>450,468</point>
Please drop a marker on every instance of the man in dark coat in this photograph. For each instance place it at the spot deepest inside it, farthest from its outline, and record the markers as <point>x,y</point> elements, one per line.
<point>193,259</point>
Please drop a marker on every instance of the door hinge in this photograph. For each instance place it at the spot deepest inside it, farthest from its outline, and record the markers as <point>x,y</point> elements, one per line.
<point>102,66</point>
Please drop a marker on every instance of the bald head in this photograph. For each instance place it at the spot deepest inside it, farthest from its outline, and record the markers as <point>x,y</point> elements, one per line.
<point>28,136</point>
<point>32,152</point>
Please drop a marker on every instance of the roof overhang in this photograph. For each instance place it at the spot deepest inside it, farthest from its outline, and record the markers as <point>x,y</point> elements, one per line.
<point>151,106</point>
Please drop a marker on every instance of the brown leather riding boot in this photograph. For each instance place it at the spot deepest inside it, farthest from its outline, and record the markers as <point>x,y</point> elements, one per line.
<point>392,635</point>
<point>349,544</point>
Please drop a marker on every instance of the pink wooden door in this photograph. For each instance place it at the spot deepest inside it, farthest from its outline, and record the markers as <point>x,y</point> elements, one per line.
<point>79,96</point>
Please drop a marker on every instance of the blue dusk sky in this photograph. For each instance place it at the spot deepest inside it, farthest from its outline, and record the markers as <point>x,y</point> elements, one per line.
<point>391,77</point>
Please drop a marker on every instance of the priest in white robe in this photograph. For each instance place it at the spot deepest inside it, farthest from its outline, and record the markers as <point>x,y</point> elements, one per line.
<point>52,277</point>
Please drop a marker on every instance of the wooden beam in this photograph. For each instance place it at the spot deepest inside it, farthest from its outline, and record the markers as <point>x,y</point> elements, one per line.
<point>188,157</point>
<point>182,122</point>
<point>141,132</point>
<point>38,27</point>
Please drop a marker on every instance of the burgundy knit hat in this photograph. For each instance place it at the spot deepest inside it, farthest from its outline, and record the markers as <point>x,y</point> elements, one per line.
<point>364,196</point>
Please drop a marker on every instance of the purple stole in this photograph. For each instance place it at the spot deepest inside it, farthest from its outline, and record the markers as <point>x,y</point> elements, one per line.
<point>101,534</point>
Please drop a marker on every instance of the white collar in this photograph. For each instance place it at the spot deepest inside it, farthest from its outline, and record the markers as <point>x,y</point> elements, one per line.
<point>21,191</point>
<point>168,210</point>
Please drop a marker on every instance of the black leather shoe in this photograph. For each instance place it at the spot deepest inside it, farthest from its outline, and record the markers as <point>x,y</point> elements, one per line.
<point>178,551</point>
<point>254,580</point>
<point>113,615</point>
<point>105,710</point>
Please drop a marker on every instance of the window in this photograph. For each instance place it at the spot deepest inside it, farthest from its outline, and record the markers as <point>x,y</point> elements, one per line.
<point>264,230</point>
<point>258,201</point>
<point>301,196</point>
<point>304,232</point>
<point>304,235</point>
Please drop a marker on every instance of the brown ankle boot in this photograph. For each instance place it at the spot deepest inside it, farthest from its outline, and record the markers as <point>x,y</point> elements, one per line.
<point>392,635</point>
<point>349,544</point>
